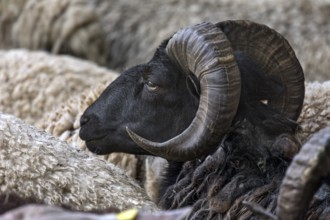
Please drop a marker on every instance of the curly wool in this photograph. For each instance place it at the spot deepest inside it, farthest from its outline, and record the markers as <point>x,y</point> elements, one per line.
<point>315,114</point>
<point>125,33</point>
<point>33,83</point>
<point>57,174</point>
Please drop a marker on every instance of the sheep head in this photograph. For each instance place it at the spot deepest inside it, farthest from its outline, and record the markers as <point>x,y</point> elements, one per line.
<point>130,102</point>
<point>182,102</point>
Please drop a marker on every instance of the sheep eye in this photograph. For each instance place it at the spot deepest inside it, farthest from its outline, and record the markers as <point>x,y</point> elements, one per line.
<point>151,86</point>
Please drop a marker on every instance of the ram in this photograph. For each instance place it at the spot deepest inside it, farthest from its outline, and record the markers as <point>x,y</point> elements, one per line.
<point>63,122</point>
<point>219,102</point>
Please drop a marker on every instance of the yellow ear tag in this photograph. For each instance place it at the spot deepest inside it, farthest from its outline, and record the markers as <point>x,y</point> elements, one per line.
<point>129,214</point>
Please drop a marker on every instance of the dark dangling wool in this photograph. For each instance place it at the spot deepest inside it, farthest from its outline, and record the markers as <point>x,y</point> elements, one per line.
<point>248,165</point>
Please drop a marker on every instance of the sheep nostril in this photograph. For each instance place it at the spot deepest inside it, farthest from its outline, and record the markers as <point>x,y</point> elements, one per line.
<point>84,120</point>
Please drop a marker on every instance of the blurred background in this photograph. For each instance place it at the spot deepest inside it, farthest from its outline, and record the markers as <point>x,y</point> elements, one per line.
<point>121,33</point>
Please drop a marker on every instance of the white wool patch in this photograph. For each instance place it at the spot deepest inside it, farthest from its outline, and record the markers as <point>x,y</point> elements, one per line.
<point>315,114</point>
<point>33,163</point>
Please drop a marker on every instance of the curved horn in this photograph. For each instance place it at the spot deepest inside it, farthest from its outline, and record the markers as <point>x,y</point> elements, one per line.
<point>271,52</point>
<point>205,51</point>
<point>304,176</point>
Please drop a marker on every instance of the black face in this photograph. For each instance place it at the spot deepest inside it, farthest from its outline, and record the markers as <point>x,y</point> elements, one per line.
<point>154,100</point>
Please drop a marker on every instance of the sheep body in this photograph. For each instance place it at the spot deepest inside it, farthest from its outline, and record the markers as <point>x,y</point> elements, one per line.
<point>114,33</point>
<point>54,26</point>
<point>53,172</point>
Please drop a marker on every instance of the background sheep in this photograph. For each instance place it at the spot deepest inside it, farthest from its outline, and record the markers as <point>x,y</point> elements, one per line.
<point>55,173</point>
<point>124,33</point>
<point>56,26</point>
<point>33,83</point>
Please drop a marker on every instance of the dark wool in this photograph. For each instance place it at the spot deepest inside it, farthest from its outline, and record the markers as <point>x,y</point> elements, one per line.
<point>248,165</point>
<point>241,169</point>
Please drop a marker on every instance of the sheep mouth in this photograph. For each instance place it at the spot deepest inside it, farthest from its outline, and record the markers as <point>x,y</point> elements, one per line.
<point>92,142</point>
<point>88,136</point>
<point>93,138</point>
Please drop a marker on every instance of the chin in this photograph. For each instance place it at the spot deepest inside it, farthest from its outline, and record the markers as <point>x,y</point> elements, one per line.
<point>103,147</point>
<point>95,148</point>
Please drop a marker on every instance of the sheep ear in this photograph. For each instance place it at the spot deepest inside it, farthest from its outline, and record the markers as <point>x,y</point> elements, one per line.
<point>275,58</point>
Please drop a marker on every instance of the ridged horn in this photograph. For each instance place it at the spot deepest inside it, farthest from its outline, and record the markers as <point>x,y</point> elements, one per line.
<point>304,176</point>
<point>204,50</point>
<point>275,57</point>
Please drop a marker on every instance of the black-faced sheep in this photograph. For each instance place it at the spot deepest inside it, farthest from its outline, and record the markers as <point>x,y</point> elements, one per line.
<point>220,103</point>
<point>63,122</point>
